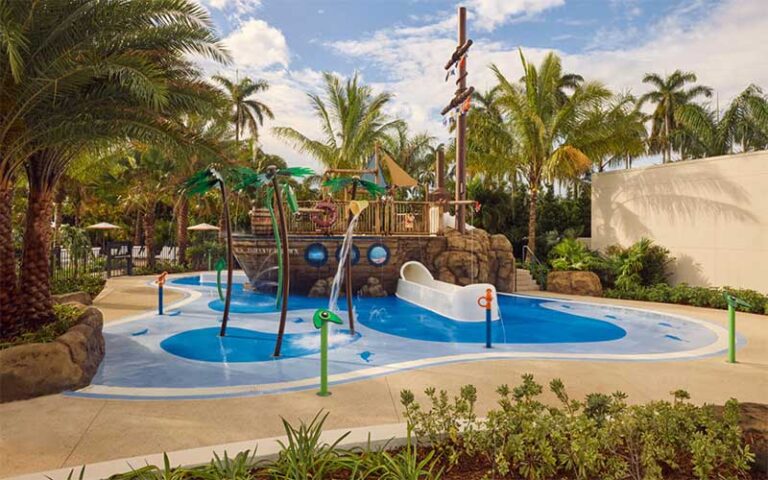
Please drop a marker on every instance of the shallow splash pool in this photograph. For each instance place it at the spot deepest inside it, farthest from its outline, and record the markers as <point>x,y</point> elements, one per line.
<point>182,356</point>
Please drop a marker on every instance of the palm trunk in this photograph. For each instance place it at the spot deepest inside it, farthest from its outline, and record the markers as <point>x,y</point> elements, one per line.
<point>230,259</point>
<point>668,146</point>
<point>8,320</point>
<point>348,269</point>
<point>137,228</point>
<point>532,217</point>
<point>149,236</point>
<point>286,265</point>
<point>35,303</point>
<point>183,223</point>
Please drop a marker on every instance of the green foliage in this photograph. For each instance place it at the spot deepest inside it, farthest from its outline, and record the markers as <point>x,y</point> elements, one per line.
<point>91,284</point>
<point>571,254</point>
<point>305,455</point>
<point>695,296</point>
<point>66,318</point>
<point>600,437</point>
<point>160,267</point>
<point>642,264</point>
<point>199,253</point>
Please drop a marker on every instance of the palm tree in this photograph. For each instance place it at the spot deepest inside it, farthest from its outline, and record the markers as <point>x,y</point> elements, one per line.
<point>77,75</point>
<point>543,118</point>
<point>408,151</point>
<point>247,112</point>
<point>492,140</point>
<point>743,125</point>
<point>670,94</point>
<point>611,132</point>
<point>352,120</point>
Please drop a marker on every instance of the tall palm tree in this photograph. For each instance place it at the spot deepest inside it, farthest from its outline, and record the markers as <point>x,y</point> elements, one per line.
<point>79,74</point>
<point>407,150</point>
<point>611,132</point>
<point>492,140</point>
<point>352,120</point>
<point>543,118</point>
<point>247,112</point>
<point>741,126</point>
<point>669,94</point>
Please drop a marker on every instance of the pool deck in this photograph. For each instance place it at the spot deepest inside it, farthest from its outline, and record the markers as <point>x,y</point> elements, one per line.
<point>58,431</point>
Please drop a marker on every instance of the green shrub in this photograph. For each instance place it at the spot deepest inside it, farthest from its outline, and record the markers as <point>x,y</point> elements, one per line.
<point>642,264</point>
<point>571,254</point>
<point>600,437</point>
<point>66,317</point>
<point>684,294</point>
<point>161,267</point>
<point>93,285</point>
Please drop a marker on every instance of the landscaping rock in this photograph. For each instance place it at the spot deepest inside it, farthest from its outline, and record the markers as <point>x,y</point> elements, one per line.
<point>373,288</point>
<point>73,297</point>
<point>68,363</point>
<point>574,283</point>
<point>476,257</point>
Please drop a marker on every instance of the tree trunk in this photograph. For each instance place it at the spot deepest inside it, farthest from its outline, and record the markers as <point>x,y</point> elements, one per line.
<point>668,146</point>
<point>137,229</point>
<point>182,234</point>
<point>230,259</point>
<point>532,217</point>
<point>286,273</point>
<point>35,303</point>
<point>149,236</point>
<point>8,320</point>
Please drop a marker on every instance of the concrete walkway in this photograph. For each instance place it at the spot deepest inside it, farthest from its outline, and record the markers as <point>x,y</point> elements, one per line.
<point>57,431</point>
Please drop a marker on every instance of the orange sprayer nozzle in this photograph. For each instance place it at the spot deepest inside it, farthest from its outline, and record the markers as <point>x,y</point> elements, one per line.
<point>161,279</point>
<point>486,301</point>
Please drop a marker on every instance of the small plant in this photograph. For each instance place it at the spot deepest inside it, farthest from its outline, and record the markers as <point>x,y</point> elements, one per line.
<point>408,464</point>
<point>305,456</point>
<point>67,316</point>
<point>571,254</point>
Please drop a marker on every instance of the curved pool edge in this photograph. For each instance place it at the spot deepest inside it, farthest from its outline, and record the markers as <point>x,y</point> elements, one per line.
<point>718,346</point>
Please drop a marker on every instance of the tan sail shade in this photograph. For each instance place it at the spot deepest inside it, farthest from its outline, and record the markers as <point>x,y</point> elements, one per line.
<point>397,175</point>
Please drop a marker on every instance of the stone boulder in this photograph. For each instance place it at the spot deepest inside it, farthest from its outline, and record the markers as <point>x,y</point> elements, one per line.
<point>83,298</point>
<point>574,283</point>
<point>476,257</point>
<point>67,363</point>
<point>373,288</point>
<point>321,288</point>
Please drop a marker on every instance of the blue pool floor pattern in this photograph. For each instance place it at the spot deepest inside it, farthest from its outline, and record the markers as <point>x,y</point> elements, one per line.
<point>389,331</point>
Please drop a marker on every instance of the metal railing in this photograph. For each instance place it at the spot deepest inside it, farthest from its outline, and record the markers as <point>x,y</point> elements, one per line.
<point>536,267</point>
<point>381,217</point>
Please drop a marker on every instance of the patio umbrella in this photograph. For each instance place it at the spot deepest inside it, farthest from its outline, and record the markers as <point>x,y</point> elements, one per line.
<point>104,227</point>
<point>205,227</point>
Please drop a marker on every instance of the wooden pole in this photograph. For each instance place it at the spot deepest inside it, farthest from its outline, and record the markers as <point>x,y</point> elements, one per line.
<point>461,131</point>
<point>286,274</point>
<point>348,268</point>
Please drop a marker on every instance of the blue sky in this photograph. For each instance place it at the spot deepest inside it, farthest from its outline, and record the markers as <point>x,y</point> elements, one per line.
<point>400,46</point>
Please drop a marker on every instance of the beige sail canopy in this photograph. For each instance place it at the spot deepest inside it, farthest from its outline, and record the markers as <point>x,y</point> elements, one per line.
<point>398,176</point>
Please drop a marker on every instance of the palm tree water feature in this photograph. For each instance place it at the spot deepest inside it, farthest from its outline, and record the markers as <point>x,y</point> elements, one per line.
<point>248,179</point>
<point>200,183</point>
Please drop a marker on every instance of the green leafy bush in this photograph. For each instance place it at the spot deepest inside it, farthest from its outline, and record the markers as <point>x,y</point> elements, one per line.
<point>571,254</point>
<point>641,264</point>
<point>684,294</point>
<point>161,267</point>
<point>66,317</point>
<point>600,437</point>
<point>91,284</point>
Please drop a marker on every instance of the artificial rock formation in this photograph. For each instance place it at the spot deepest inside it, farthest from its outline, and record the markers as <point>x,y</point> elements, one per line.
<point>574,283</point>
<point>67,363</point>
<point>373,288</point>
<point>476,257</point>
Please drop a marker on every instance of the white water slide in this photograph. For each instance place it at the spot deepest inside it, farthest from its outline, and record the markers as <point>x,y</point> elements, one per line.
<point>417,285</point>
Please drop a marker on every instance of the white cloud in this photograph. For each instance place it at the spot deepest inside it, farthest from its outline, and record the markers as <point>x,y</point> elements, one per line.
<point>723,47</point>
<point>257,44</point>
<point>493,13</point>
<point>239,7</point>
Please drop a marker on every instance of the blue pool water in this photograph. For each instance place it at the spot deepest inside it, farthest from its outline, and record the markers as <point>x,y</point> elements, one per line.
<point>523,320</point>
<point>244,345</point>
<point>183,355</point>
